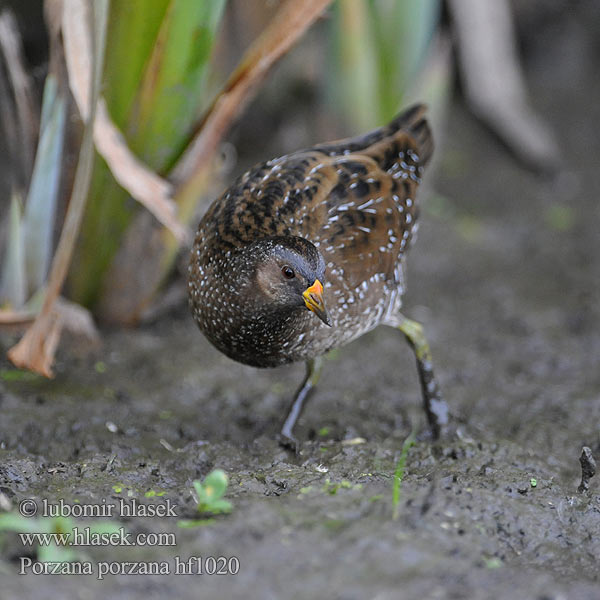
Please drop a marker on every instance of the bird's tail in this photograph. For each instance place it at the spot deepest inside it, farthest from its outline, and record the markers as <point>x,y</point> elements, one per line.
<point>408,133</point>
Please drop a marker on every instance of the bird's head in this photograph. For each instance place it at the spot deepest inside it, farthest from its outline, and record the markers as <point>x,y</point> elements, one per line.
<point>290,273</point>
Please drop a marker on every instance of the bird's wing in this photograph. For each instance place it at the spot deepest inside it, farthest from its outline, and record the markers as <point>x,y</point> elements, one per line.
<point>358,215</point>
<point>361,218</point>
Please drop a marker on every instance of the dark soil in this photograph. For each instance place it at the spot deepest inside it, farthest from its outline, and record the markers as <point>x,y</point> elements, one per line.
<point>505,276</point>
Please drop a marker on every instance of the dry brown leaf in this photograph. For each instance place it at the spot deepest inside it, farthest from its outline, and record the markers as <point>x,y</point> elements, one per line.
<point>36,349</point>
<point>16,317</point>
<point>53,14</point>
<point>78,52</point>
<point>288,25</point>
<point>143,184</point>
<point>37,354</point>
<point>75,319</point>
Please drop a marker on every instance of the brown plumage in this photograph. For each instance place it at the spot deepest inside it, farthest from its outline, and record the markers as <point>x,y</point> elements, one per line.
<point>341,215</point>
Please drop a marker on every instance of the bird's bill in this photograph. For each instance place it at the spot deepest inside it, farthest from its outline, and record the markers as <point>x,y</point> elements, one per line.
<point>313,299</point>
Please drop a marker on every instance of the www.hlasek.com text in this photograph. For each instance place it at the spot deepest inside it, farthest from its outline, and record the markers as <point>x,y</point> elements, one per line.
<point>86,536</point>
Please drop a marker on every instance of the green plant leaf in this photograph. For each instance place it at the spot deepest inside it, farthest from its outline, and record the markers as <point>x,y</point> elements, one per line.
<point>212,488</point>
<point>380,48</point>
<point>154,80</point>
<point>217,480</point>
<point>40,209</point>
<point>14,522</point>
<point>170,94</point>
<point>132,29</point>
<point>211,491</point>
<point>217,507</point>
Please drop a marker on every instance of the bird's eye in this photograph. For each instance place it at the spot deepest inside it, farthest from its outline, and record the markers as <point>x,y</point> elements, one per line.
<point>288,272</point>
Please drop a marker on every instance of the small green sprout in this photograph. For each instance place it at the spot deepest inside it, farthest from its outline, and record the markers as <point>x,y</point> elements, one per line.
<point>332,488</point>
<point>18,375</point>
<point>533,482</point>
<point>492,563</point>
<point>399,474</point>
<point>154,493</point>
<point>210,493</point>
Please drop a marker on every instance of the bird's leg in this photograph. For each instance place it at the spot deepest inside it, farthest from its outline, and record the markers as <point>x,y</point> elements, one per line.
<point>314,366</point>
<point>436,408</point>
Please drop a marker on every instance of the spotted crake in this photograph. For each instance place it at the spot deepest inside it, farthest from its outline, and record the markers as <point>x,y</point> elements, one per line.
<point>305,252</point>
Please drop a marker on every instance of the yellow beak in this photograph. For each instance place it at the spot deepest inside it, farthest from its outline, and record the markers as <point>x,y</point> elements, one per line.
<point>313,298</point>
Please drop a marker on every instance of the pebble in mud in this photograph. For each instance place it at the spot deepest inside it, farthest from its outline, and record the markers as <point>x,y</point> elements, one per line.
<point>588,469</point>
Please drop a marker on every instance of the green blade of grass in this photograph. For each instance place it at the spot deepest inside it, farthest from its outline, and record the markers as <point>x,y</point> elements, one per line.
<point>170,95</point>
<point>132,29</point>
<point>409,442</point>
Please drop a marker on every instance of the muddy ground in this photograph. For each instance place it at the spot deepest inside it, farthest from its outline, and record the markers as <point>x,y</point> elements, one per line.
<point>506,277</point>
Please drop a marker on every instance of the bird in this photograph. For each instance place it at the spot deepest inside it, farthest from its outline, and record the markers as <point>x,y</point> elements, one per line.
<point>306,252</point>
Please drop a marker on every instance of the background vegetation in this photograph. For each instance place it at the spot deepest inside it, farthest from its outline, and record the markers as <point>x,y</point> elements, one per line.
<point>111,168</point>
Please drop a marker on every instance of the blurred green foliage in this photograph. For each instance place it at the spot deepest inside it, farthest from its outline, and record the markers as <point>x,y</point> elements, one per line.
<point>29,248</point>
<point>156,83</point>
<point>380,49</point>
<point>156,65</point>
